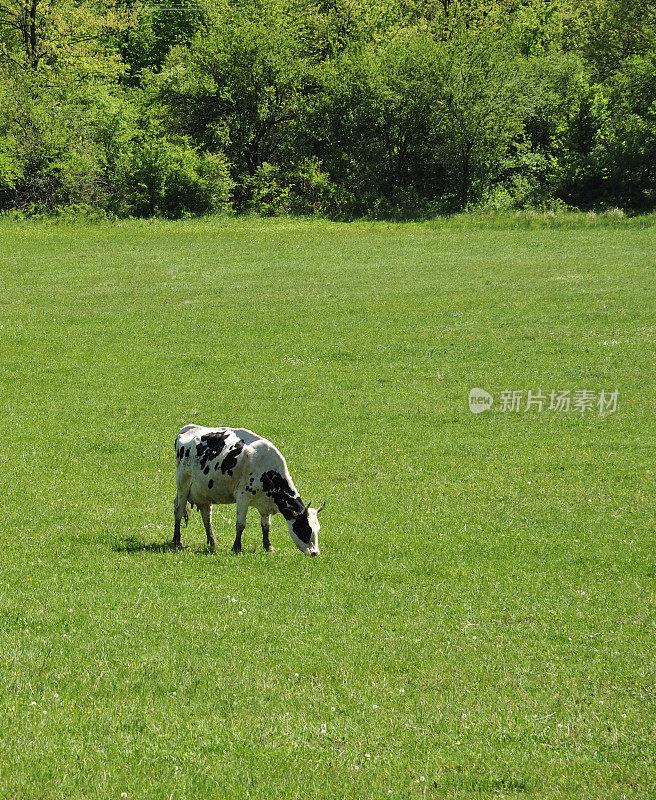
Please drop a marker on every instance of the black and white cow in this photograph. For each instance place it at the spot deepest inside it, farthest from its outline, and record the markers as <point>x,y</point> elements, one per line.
<point>234,465</point>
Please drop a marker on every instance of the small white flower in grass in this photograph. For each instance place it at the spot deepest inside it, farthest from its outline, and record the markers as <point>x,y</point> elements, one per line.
<point>124,794</point>
<point>33,703</point>
<point>401,691</point>
<point>56,696</point>
<point>624,715</point>
<point>323,728</point>
<point>332,708</point>
<point>375,706</point>
<point>367,755</point>
<point>240,613</point>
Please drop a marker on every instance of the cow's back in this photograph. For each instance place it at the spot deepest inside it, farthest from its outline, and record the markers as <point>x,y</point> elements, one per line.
<point>217,464</point>
<point>210,461</point>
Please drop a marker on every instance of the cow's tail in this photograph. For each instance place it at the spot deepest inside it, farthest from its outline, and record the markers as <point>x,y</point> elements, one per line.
<point>181,501</point>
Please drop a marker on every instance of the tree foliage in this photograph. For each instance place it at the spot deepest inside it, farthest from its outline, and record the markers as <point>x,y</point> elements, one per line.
<point>340,107</point>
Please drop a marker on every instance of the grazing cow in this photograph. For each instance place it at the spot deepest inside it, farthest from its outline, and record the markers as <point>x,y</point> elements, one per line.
<point>234,465</point>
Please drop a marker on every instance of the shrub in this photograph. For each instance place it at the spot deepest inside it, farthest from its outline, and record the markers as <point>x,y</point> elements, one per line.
<point>172,179</point>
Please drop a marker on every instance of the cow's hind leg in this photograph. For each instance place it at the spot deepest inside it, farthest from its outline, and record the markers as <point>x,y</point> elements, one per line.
<point>242,508</point>
<point>265,521</point>
<point>236,547</point>
<point>181,511</point>
<point>206,514</point>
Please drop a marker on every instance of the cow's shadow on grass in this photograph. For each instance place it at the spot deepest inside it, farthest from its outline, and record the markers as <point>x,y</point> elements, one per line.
<point>132,544</point>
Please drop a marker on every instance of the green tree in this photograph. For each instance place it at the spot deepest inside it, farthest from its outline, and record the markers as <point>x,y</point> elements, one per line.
<point>240,85</point>
<point>63,36</point>
<point>160,26</point>
<point>57,62</point>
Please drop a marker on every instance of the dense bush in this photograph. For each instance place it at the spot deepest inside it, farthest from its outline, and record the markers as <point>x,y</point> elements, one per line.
<point>343,109</point>
<point>170,179</point>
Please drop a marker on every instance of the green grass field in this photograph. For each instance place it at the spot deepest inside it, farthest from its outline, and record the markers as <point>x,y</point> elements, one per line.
<point>480,623</point>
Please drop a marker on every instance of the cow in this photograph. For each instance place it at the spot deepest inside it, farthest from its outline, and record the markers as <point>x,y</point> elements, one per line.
<point>235,465</point>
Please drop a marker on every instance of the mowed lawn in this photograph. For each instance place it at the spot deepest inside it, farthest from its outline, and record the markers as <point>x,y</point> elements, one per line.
<point>481,620</point>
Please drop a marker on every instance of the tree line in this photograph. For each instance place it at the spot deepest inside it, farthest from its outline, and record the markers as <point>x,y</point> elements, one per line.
<point>336,107</point>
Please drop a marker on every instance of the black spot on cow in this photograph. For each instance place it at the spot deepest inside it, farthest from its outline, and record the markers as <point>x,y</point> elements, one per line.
<point>302,529</point>
<point>210,447</point>
<point>187,452</point>
<point>206,471</point>
<point>210,483</point>
<point>230,461</point>
<point>279,490</point>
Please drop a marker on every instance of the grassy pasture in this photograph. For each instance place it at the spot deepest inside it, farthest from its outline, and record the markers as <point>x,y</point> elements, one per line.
<point>481,621</point>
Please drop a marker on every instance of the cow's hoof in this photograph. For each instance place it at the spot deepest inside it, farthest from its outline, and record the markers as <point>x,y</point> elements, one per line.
<point>236,551</point>
<point>270,549</point>
<point>177,545</point>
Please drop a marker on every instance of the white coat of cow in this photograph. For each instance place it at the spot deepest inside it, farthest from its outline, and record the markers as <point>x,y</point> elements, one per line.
<point>235,465</point>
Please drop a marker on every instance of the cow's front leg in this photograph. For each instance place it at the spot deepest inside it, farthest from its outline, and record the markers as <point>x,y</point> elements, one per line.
<point>265,521</point>
<point>206,514</point>
<point>242,508</point>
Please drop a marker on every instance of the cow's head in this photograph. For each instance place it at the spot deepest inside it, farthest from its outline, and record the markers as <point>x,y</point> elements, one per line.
<point>304,530</point>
